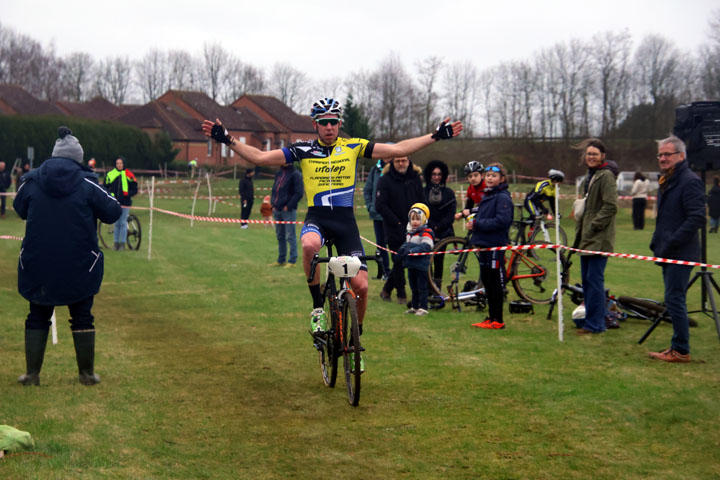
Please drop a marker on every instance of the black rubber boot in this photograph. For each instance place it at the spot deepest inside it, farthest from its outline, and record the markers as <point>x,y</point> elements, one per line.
<point>85,353</point>
<point>35,342</point>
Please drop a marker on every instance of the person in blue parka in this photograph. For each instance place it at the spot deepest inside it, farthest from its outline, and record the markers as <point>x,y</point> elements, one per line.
<point>60,262</point>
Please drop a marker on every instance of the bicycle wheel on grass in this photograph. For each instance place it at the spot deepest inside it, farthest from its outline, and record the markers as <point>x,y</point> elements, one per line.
<point>443,266</point>
<point>134,232</point>
<point>534,276</point>
<point>350,338</point>
<point>538,236</point>
<point>105,230</point>
<point>327,345</point>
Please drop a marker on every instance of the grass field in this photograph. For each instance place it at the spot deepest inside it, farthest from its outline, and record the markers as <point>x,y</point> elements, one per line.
<point>208,373</point>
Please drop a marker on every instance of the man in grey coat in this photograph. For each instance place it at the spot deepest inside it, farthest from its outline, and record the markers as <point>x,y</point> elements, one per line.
<point>681,213</point>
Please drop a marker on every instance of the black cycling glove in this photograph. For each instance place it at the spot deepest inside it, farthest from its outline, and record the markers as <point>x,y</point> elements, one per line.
<point>220,134</point>
<point>444,131</point>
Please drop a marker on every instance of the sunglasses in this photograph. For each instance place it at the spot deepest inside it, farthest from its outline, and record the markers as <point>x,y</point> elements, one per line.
<point>493,169</point>
<point>324,122</point>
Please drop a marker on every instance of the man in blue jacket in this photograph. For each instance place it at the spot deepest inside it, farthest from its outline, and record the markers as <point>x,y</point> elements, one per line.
<point>60,262</point>
<point>681,213</point>
<point>286,193</point>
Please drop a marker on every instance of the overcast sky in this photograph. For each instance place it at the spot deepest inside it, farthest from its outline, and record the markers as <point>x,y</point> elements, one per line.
<point>335,38</point>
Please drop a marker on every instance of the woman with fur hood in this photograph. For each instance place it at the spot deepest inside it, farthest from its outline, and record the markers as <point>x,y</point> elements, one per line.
<point>442,204</point>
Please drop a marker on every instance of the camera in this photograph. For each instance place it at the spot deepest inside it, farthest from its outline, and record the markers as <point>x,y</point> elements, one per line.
<point>698,125</point>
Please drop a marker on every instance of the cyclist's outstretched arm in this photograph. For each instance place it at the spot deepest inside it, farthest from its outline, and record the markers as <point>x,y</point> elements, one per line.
<point>445,131</point>
<point>217,132</point>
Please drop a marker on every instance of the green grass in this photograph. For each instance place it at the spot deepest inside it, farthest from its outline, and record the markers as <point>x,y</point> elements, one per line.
<point>208,372</point>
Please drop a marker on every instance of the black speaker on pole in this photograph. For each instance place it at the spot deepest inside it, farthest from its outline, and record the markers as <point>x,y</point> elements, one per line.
<point>698,125</point>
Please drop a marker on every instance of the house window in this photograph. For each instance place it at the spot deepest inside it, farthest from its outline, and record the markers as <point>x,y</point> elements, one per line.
<point>241,139</point>
<point>209,148</point>
<point>281,143</point>
<point>266,144</point>
<point>223,150</point>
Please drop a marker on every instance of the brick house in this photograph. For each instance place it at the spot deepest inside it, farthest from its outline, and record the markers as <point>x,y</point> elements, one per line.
<point>15,100</point>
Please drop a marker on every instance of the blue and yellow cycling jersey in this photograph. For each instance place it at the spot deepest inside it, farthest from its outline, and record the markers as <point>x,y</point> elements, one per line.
<point>544,190</point>
<point>329,170</point>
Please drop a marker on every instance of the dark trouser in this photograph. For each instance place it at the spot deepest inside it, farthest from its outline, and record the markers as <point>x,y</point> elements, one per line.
<point>492,275</point>
<point>3,198</point>
<point>396,280</point>
<point>81,318</point>
<point>380,240</point>
<point>592,268</point>
<point>676,278</point>
<point>638,212</point>
<point>246,209</point>
<point>419,288</point>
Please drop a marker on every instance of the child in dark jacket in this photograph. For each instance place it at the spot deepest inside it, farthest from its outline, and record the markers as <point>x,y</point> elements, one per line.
<point>490,228</point>
<point>419,239</point>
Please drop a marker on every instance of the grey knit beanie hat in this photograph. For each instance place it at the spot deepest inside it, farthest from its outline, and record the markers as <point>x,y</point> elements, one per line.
<point>67,146</point>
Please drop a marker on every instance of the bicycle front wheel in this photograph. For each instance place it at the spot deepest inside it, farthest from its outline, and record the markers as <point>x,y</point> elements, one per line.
<point>134,232</point>
<point>539,236</point>
<point>453,268</point>
<point>534,276</point>
<point>328,345</point>
<point>105,230</point>
<point>352,350</point>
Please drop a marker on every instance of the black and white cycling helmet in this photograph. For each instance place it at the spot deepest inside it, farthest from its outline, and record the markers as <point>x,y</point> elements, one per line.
<point>325,106</point>
<point>556,175</point>
<point>473,166</point>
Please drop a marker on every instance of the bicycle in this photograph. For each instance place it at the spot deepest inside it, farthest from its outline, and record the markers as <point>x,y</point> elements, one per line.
<point>134,232</point>
<point>343,337</point>
<point>533,274</point>
<point>540,229</point>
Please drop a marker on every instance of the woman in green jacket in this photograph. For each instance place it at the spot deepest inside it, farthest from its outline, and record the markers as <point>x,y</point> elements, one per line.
<point>595,231</point>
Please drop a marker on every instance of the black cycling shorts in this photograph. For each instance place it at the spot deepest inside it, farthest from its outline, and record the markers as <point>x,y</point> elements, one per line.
<point>338,225</point>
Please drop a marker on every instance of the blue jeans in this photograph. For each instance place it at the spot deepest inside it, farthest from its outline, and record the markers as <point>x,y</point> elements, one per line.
<point>285,233</point>
<point>592,268</point>
<point>676,278</point>
<point>121,226</point>
<point>380,240</point>
<point>419,287</point>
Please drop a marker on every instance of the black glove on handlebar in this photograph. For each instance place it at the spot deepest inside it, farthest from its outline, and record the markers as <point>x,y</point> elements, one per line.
<point>444,131</point>
<point>220,134</point>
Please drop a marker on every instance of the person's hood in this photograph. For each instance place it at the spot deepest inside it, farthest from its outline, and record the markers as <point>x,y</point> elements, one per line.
<point>59,177</point>
<point>497,188</point>
<point>427,173</point>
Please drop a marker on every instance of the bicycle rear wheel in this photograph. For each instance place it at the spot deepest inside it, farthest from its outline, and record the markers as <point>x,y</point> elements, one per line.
<point>105,230</point>
<point>643,308</point>
<point>350,338</point>
<point>534,276</point>
<point>327,345</point>
<point>134,232</point>
<point>538,235</point>
<point>448,267</point>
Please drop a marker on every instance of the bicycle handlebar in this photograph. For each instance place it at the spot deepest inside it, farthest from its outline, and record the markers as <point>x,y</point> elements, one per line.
<point>363,258</point>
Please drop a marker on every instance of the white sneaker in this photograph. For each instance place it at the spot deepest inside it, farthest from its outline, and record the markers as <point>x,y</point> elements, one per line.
<point>411,311</point>
<point>421,311</point>
<point>244,226</point>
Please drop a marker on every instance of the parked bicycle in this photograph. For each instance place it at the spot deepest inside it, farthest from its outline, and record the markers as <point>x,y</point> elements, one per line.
<point>540,228</point>
<point>134,233</point>
<point>343,337</point>
<point>533,273</point>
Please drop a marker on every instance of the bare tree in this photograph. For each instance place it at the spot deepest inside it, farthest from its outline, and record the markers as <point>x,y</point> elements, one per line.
<point>112,79</point>
<point>486,84</point>
<point>428,72</point>
<point>77,76</point>
<point>240,79</point>
<point>460,92</point>
<point>288,84</point>
<point>215,63</point>
<point>184,71</point>
<point>151,74</point>
<point>396,98</point>
<point>709,62</point>
<point>611,53</point>
<point>658,74</point>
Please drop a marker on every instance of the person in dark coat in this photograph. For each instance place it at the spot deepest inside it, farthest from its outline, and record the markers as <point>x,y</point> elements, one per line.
<point>122,184</point>
<point>60,262</point>
<point>287,190</point>
<point>247,192</point>
<point>442,204</point>
<point>5,182</point>
<point>398,189</point>
<point>714,205</point>
<point>369,193</point>
<point>680,214</point>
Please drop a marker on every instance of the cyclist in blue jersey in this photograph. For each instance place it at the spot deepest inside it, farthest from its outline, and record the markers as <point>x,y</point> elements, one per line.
<point>328,166</point>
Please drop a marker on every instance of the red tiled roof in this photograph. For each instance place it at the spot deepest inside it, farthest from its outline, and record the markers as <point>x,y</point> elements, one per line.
<point>97,109</point>
<point>282,113</point>
<point>156,115</point>
<point>20,102</point>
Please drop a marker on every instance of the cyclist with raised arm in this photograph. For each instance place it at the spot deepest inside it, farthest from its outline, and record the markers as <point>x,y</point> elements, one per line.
<point>544,191</point>
<point>474,172</point>
<point>328,166</point>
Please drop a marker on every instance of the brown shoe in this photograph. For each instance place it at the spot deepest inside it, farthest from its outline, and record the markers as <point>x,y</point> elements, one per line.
<point>582,331</point>
<point>384,295</point>
<point>402,300</point>
<point>671,356</point>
